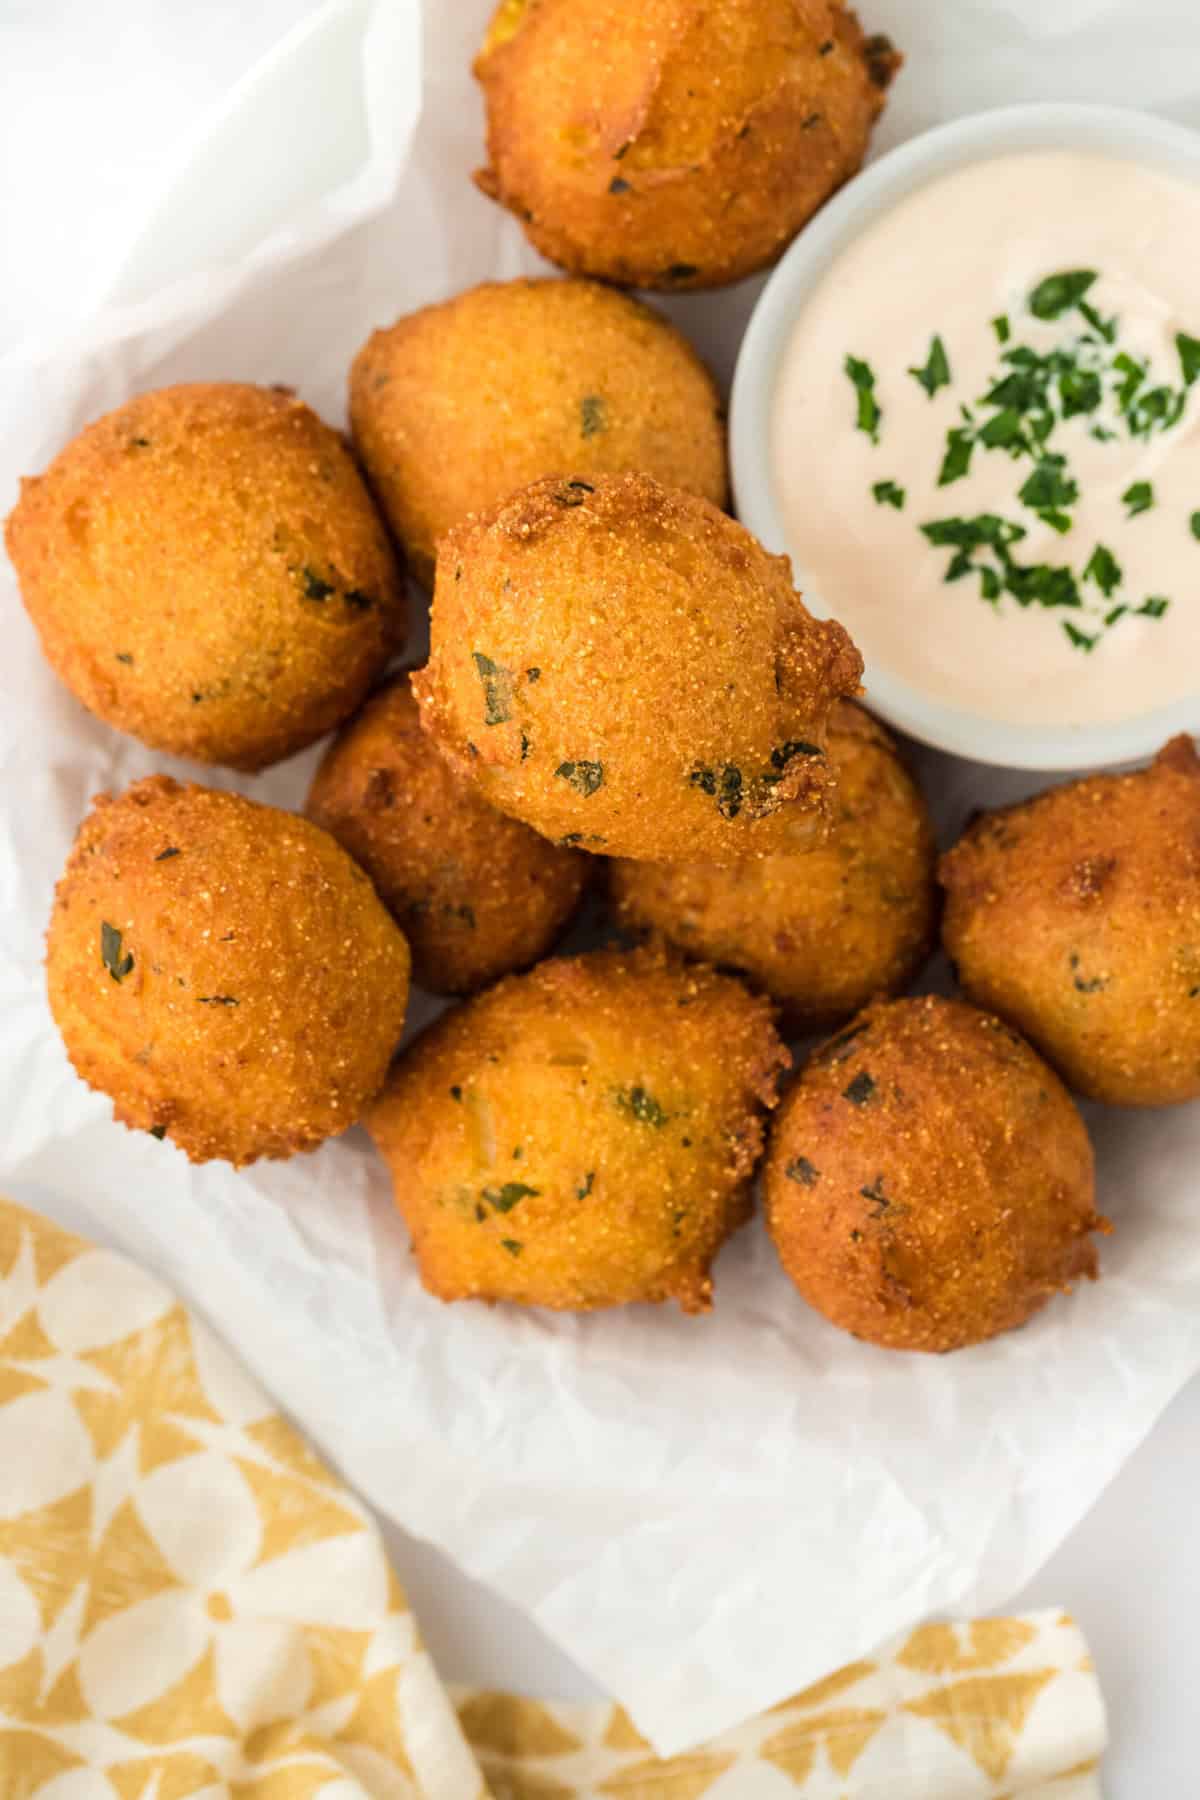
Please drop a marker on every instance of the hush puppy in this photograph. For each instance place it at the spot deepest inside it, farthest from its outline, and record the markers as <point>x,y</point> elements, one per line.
<point>476,894</point>
<point>223,972</point>
<point>676,143</point>
<point>929,1181</point>
<point>1076,916</point>
<point>207,572</point>
<point>583,1135</point>
<point>823,932</point>
<point>455,407</point>
<point>624,668</point>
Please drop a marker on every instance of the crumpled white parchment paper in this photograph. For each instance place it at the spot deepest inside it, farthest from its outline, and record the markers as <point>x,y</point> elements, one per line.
<point>706,1514</point>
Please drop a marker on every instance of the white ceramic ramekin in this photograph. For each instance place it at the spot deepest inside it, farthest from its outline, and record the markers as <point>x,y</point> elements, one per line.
<point>1137,136</point>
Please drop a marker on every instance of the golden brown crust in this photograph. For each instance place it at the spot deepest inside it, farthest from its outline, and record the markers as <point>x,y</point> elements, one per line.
<point>622,666</point>
<point>929,1181</point>
<point>476,894</point>
<point>581,1136</point>
<point>206,571</point>
<point>1076,916</point>
<point>826,931</point>
<point>458,405</point>
<point>223,972</point>
<point>674,144</point>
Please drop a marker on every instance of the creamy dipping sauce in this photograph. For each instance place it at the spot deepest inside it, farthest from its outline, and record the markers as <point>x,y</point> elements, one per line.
<point>985,441</point>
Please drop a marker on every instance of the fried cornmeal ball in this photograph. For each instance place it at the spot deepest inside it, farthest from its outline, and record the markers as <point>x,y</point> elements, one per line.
<point>223,972</point>
<point>929,1181</point>
<point>826,931</point>
<point>458,405</point>
<point>1076,916</point>
<point>623,667</point>
<point>581,1136</point>
<point>476,894</point>
<point>206,571</point>
<point>675,143</point>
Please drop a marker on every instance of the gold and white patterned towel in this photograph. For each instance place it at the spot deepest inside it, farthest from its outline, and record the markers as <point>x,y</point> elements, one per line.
<point>193,1608</point>
<point>998,1707</point>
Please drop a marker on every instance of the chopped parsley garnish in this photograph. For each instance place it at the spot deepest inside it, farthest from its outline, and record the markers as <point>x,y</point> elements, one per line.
<point>1189,356</point>
<point>861,1089</point>
<point>934,373</point>
<point>1049,487</point>
<point>967,534</point>
<point>1194,523</point>
<point>1104,569</point>
<point>802,1171</point>
<point>868,415</point>
<point>982,546</point>
<point>1083,375</point>
<point>960,442</point>
<point>1057,294</point>
<point>966,537</point>
<point>1104,328</point>
<point>117,961</point>
<point>1132,375</point>
<point>585,1186</point>
<point>512,1246</point>
<point>1154,409</point>
<point>1049,584</point>
<point>1079,391</point>
<point>159,1132</point>
<point>170,851</point>
<point>1004,429</point>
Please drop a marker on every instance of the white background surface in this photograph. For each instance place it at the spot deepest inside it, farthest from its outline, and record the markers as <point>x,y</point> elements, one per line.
<point>98,95</point>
